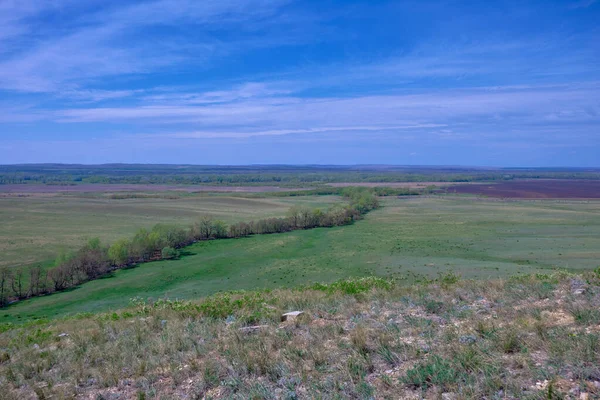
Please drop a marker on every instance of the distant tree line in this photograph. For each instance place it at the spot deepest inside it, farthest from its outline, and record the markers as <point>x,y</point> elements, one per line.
<point>95,260</point>
<point>270,175</point>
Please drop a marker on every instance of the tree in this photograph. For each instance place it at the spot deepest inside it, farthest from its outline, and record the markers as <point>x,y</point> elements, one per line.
<point>220,229</point>
<point>293,215</point>
<point>35,281</point>
<point>206,228</point>
<point>90,262</point>
<point>59,277</point>
<point>118,253</point>
<point>167,235</point>
<point>141,247</point>
<point>5,277</point>
<point>17,283</point>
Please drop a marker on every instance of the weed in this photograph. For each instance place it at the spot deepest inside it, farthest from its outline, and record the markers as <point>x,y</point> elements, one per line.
<point>510,342</point>
<point>585,315</point>
<point>388,355</point>
<point>437,371</point>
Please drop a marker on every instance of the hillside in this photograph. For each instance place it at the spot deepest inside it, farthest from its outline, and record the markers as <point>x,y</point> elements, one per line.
<point>528,337</point>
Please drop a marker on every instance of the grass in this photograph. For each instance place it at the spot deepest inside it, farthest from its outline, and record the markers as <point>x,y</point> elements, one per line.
<point>34,229</point>
<point>407,238</point>
<point>377,341</point>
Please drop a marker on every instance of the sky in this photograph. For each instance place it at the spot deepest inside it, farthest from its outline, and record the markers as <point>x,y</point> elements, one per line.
<point>482,83</point>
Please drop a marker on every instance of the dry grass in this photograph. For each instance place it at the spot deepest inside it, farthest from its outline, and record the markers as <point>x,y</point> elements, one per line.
<point>527,338</point>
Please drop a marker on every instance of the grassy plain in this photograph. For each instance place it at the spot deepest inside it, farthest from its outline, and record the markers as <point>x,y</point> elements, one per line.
<point>34,229</point>
<point>426,236</point>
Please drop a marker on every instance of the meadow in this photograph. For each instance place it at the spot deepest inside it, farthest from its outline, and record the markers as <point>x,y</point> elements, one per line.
<point>36,228</point>
<point>408,238</point>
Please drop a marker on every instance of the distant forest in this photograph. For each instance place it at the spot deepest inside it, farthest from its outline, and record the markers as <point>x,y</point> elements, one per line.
<point>281,175</point>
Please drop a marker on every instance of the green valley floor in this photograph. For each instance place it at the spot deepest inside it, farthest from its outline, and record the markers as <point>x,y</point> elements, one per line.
<point>408,238</point>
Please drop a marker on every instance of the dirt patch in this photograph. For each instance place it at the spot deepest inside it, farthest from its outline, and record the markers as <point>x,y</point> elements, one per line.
<point>86,188</point>
<point>534,189</point>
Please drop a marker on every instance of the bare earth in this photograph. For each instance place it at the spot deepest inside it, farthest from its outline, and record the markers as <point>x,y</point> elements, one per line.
<point>534,189</point>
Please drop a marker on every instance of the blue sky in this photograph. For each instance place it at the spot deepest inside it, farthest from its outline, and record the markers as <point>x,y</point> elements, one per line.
<point>492,83</point>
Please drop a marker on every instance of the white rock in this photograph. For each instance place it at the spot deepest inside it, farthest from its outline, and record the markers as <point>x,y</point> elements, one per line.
<point>250,329</point>
<point>290,316</point>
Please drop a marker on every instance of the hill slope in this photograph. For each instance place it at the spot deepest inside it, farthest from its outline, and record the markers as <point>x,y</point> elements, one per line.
<point>528,337</point>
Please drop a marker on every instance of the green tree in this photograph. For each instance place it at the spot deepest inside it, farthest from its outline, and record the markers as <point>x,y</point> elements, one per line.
<point>118,252</point>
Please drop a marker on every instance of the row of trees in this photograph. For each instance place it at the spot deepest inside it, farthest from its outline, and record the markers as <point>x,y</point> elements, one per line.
<point>94,259</point>
<point>279,175</point>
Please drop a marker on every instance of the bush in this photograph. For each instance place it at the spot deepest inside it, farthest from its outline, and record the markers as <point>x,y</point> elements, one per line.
<point>169,253</point>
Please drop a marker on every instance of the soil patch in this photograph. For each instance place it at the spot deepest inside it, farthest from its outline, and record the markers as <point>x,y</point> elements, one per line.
<point>534,189</point>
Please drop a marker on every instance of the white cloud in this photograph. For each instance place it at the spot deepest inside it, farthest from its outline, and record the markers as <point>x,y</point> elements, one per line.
<point>280,132</point>
<point>580,102</point>
<point>114,42</point>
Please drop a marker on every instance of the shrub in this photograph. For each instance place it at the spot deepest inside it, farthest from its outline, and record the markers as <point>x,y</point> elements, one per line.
<point>169,253</point>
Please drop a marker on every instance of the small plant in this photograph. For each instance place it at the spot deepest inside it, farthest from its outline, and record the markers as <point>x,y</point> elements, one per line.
<point>433,306</point>
<point>510,342</point>
<point>357,368</point>
<point>354,286</point>
<point>449,278</point>
<point>437,371</point>
<point>485,329</point>
<point>388,355</point>
<point>469,360</point>
<point>585,316</point>
<point>358,337</point>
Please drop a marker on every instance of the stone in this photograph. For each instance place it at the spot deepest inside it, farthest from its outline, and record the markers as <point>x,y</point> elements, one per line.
<point>63,335</point>
<point>291,316</point>
<point>578,286</point>
<point>467,339</point>
<point>251,329</point>
<point>584,396</point>
<point>449,396</point>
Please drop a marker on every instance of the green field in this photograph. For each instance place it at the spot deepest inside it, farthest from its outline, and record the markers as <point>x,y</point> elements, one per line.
<point>475,238</point>
<point>34,229</point>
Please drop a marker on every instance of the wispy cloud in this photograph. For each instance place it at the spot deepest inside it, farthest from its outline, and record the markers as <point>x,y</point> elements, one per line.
<point>115,42</point>
<point>529,102</point>
<point>279,132</point>
<point>583,3</point>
